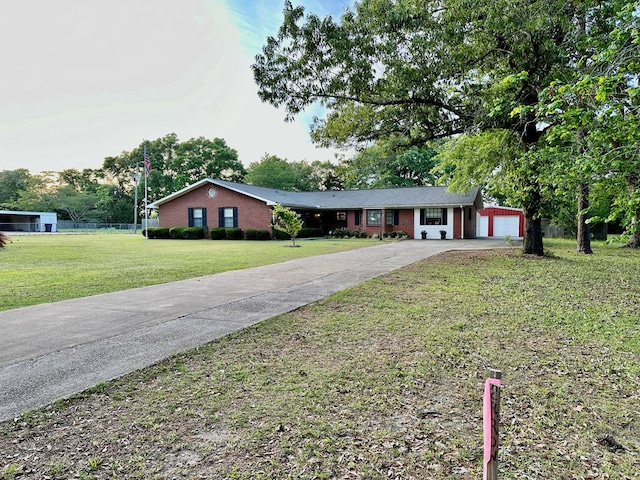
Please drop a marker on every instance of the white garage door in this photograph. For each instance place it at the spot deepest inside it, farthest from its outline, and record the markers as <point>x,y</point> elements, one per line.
<point>507,225</point>
<point>483,226</point>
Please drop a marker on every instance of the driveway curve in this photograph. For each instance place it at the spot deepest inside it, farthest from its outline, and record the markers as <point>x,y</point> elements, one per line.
<point>55,350</point>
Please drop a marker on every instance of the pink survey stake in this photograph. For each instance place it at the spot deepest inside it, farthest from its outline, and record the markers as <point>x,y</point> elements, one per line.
<point>490,431</point>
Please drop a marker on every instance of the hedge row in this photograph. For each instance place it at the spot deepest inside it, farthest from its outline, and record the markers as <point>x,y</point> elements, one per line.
<point>346,233</point>
<point>217,233</point>
<point>306,232</point>
<point>253,234</point>
<point>395,234</point>
<point>189,233</point>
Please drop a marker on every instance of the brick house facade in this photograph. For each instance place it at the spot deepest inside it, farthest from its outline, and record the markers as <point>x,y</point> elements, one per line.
<point>214,203</point>
<point>249,212</point>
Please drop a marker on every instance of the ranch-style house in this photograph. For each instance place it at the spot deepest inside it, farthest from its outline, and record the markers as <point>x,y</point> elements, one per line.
<point>219,203</point>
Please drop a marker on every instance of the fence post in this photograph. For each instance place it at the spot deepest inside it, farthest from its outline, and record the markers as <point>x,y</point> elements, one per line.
<point>491,421</point>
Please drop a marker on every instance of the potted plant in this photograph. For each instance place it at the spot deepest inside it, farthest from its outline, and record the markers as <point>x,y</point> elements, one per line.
<point>424,234</point>
<point>443,234</point>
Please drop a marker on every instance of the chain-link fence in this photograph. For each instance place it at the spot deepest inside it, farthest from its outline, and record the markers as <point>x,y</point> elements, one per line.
<point>66,226</point>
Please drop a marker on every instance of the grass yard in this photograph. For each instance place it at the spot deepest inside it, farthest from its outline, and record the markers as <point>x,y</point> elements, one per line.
<point>46,268</point>
<point>381,381</point>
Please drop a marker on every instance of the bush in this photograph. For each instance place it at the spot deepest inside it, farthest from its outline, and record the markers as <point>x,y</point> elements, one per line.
<point>233,234</point>
<point>341,233</point>
<point>308,232</point>
<point>346,233</point>
<point>193,233</point>
<point>254,234</point>
<point>156,232</point>
<point>279,235</point>
<point>218,233</point>
<point>177,233</point>
<point>395,234</point>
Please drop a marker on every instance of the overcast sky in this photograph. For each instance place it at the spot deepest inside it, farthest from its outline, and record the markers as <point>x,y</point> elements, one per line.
<point>82,80</point>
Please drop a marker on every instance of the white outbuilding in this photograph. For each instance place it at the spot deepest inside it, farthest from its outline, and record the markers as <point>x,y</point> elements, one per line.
<point>495,221</point>
<point>28,222</point>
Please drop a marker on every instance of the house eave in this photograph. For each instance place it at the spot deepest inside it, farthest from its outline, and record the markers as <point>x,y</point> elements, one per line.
<point>317,200</point>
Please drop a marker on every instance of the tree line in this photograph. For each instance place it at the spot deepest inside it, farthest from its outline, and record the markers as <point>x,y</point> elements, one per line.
<point>107,194</point>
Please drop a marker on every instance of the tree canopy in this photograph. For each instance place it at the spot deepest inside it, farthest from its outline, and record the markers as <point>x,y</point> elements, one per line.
<point>423,70</point>
<point>390,164</point>
<point>594,118</point>
<point>175,164</point>
<point>301,176</point>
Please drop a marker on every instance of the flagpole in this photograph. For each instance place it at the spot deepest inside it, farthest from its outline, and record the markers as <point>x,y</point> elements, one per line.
<point>146,208</point>
<point>136,179</point>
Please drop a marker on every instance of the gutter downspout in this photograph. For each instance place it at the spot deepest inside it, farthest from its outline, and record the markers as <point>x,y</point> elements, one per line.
<point>462,221</point>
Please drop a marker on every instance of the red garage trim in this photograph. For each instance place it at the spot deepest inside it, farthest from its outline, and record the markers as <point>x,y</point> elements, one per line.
<point>492,212</point>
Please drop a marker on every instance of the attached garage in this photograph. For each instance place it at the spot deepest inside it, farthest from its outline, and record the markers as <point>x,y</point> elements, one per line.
<point>500,222</point>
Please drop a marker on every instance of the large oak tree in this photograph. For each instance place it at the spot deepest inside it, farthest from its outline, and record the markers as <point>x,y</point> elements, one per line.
<point>425,69</point>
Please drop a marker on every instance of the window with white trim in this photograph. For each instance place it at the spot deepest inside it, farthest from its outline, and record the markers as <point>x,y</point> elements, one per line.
<point>374,217</point>
<point>228,218</point>
<point>197,217</point>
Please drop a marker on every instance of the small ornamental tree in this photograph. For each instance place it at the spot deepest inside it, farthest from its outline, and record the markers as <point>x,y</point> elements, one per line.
<point>287,221</point>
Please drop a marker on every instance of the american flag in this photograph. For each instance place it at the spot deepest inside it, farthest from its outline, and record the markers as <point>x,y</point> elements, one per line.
<point>147,161</point>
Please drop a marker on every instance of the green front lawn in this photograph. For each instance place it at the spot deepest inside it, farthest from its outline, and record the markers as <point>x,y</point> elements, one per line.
<point>46,268</point>
<point>383,380</point>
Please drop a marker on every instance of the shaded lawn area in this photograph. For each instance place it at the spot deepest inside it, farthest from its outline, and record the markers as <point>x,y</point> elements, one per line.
<point>38,269</point>
<point>383,380</point>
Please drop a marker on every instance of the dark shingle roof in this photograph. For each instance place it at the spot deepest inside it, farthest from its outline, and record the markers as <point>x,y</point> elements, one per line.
<point>405,197</point>
<point>349,199</point>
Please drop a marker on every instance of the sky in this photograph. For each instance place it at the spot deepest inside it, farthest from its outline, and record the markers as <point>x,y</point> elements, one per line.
<point>83,80</point>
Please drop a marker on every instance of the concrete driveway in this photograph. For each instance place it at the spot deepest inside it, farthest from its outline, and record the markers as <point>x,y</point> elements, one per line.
<point>54,350</point>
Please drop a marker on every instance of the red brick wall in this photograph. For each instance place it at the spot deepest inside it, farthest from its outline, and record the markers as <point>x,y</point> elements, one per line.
<point>406,223</point>
<point>252,213</point>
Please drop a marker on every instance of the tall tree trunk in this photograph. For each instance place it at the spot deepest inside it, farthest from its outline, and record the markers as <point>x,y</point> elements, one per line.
<point>532,242</point>
<point>584,233</point>
<point>634,238</point>
<point>633,183</point>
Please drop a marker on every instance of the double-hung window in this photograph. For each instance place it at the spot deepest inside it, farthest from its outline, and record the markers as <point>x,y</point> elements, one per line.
<point>228,217</point>
<point>197,217</point>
